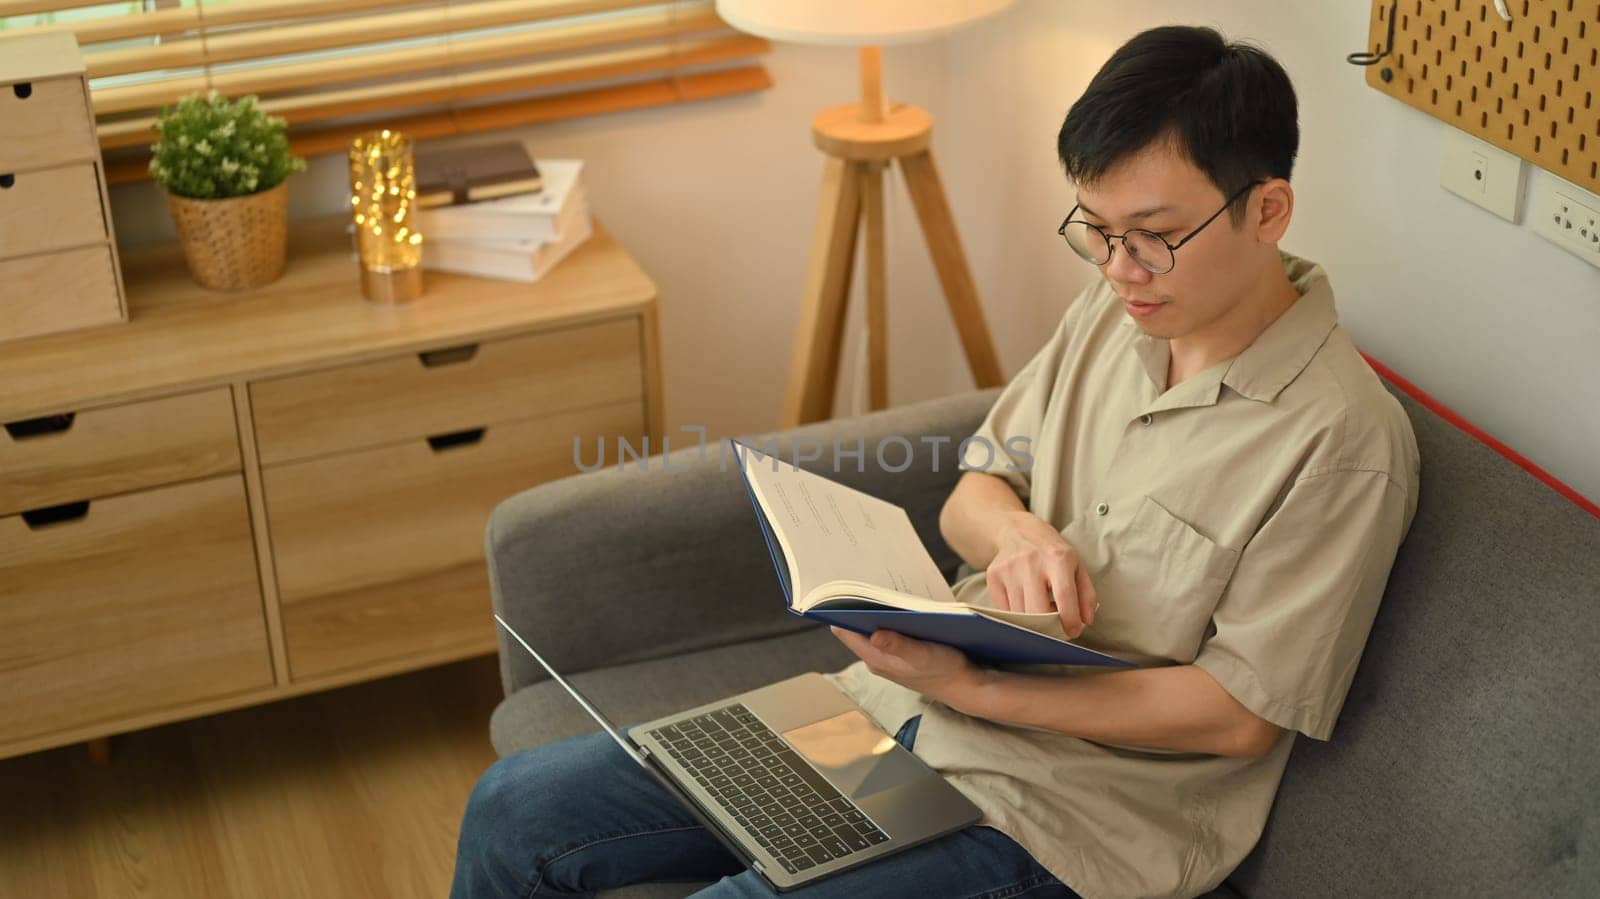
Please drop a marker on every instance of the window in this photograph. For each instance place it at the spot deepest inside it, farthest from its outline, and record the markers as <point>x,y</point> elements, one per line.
<point>336,67</point>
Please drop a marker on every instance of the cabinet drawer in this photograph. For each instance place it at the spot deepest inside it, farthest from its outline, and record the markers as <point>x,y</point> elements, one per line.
<point>51,209</point>
<point>46,123</point>
<point>58,292</point>
<point>141,602</point>
<point>76,455</point>
<point>379,552</point>
<point>409,396</point>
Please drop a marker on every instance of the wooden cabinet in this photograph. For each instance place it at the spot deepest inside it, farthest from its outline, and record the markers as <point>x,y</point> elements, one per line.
<point>379,551</point>
<point>72,454</point>
<point>135,603</point>
<point>235,498</point>
<point>414,395</point>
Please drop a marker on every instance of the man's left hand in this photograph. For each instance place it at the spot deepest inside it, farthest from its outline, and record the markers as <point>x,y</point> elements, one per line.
<point>932,669</point>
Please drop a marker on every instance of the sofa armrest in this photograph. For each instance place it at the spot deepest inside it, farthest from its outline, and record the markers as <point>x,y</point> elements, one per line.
<point>629,563</point>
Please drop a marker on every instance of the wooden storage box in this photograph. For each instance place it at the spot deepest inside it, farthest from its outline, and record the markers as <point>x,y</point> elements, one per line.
<point>58,255</point>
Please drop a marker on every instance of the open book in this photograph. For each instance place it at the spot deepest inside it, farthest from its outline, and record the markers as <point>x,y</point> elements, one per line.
<point>852,560</point>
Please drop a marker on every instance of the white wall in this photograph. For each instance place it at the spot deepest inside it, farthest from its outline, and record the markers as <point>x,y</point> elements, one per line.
<point>1483,314</point>
<point>717,200</point>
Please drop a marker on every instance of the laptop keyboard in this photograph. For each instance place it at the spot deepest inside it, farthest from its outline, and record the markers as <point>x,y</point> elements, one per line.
<point>781,801</point>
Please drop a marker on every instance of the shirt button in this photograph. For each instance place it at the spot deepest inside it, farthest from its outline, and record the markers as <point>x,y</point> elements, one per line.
<point>1146,418</point>
<point>1102,509</point>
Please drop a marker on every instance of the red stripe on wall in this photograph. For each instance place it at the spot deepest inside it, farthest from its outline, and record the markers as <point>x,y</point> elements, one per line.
<point>1448,414</point>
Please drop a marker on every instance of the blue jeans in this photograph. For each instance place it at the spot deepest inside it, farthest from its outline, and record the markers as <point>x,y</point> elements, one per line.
<point>578,816</point>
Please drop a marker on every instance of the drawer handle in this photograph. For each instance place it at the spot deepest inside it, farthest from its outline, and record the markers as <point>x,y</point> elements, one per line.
<point>36,427</point>
<point>23,89</point>
<point>456,438</point>
<point>38,518</point>
<point>449,355</point>
<point>7,180</point>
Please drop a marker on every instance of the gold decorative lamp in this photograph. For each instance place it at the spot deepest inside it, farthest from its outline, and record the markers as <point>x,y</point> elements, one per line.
<point>383,192</point>
<point>861,139</point>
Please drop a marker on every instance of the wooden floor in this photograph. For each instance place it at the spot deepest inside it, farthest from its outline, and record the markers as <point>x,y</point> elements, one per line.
<point>353,793</point>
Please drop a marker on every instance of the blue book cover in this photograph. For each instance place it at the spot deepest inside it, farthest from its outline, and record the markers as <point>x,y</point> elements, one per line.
<point>984,638</point>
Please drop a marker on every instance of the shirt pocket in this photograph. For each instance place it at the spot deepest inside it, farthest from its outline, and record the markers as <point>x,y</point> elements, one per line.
<point>1157,580</point>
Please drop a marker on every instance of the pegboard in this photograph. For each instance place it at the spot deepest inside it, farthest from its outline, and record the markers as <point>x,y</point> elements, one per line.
<point>1530,86</point>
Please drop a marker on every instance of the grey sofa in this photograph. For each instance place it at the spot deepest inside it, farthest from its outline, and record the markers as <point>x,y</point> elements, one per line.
<point>1464,764</point>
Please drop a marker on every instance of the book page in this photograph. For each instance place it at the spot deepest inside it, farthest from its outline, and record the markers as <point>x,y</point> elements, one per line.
<point>1047,623</point>
<point>831,532</point>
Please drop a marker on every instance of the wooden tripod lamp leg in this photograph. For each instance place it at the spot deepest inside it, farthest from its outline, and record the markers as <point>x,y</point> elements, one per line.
<point>944,245</point>
<point>877,286</point>
<point>814,364</point>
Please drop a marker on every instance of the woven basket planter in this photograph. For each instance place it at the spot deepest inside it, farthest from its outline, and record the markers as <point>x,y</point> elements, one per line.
<point>236,243</point>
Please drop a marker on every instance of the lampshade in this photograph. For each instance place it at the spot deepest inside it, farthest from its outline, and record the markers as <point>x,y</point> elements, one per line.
<point>854,22</point>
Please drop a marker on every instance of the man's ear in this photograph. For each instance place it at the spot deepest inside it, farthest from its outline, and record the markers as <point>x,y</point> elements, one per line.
<point>1274,203</point>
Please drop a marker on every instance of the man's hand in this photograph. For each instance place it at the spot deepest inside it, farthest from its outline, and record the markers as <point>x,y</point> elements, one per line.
<point>932,669</point>
<point>1036,570</point>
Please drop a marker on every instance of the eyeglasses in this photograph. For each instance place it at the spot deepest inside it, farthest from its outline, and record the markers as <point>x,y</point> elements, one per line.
<point>1147,248</point>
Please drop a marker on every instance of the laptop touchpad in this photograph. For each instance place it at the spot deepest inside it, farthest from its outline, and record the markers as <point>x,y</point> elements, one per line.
<point>855,754</point>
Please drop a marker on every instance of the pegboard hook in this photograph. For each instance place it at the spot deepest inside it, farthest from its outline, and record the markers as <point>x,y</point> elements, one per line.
<point>1367,58</point>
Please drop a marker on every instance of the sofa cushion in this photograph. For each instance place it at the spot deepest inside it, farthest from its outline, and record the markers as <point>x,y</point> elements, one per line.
<point>1464,762</point>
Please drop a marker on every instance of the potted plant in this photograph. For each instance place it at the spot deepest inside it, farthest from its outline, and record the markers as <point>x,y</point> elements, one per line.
<point>223,166</point>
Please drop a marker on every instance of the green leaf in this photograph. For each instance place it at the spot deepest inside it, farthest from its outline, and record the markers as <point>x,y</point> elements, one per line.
<point>211,148</point>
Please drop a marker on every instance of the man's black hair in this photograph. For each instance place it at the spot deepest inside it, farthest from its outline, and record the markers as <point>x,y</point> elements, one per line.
<point>1228,107</point>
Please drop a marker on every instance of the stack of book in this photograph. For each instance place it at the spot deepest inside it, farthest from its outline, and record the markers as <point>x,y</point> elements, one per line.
<point>495,212</point>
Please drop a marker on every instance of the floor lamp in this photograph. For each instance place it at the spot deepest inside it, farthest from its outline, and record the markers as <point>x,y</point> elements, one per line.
<point>861,141</point>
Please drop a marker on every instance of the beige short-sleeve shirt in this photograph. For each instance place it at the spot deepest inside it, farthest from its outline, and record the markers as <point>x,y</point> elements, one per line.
<point>1244,521</point>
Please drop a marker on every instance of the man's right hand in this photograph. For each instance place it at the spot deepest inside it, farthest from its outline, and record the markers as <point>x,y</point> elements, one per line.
<point>1036,570</point>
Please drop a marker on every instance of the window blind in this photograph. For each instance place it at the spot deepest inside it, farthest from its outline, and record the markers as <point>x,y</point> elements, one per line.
<point>333,68</point>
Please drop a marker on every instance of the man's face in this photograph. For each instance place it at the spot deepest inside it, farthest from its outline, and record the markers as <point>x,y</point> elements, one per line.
<point>1159,190</point>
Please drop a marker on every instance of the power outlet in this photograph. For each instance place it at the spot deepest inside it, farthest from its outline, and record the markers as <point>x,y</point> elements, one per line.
<point>1481,173</point>
<point>1569,217</point>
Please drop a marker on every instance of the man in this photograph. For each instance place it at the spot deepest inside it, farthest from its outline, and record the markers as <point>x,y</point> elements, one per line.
<point>1217,489</point>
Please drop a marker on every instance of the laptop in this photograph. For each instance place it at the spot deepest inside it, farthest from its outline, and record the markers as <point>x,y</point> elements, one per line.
<point>794,779</point>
